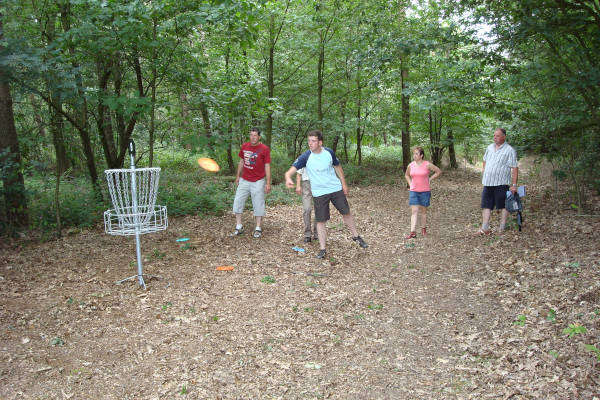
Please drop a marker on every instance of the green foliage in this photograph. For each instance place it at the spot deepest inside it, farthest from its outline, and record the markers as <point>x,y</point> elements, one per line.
<point>574,329</point>
<point>184,390</point>
<point>268,279</point>
<point>78,204</point>
<point>521,320</point>
<point>378,168</point>
<point>593,349</point>
<point>186,194</point>
<point>280,163</point>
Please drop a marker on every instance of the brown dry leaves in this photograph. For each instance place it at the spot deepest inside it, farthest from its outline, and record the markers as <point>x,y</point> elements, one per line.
<point>447,316</point>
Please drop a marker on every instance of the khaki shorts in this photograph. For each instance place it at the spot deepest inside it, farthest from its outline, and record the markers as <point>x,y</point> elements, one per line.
<point>256,190</point>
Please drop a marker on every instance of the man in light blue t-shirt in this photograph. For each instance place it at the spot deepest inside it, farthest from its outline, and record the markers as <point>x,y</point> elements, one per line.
<point>327,184</point>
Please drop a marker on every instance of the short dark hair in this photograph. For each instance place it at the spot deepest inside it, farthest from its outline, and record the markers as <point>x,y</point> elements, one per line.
<point>316,133</point>
<point>502,130</point>
<point>421,151</point>
<point>255,129</point>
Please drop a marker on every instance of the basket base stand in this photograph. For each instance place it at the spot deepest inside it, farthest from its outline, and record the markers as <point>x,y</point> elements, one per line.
<point>140,274</point>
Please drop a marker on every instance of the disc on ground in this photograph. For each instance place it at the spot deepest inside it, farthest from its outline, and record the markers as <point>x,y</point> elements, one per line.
<point>225,268</point>
<point>208,164</point>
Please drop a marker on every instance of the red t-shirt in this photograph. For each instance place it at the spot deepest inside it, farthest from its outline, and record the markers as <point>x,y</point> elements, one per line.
<point>255,158</point>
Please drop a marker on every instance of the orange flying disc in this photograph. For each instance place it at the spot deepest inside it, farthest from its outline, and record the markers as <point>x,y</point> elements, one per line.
<point>208,164</point>
<point>225,268</point>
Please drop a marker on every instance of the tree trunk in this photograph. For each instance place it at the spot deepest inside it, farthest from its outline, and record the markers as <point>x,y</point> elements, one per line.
<point>152,100</point>
<point>205,120</point>
<point>80,109</point>
<point>320,67</point>
<point>55,109</point>
<point>57,131</point>
<point>435,136</point>
<point>104,122</point>
<point>10,154</point>
<point>451,151</point>
<point>270,82</point>
<point>229,119</point>
<point>405,119</point>
<point>57,203</point>
<point>37,116</point>
<point>358,121</point>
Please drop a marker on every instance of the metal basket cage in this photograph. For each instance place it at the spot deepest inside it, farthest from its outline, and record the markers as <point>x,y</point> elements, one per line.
<point>146,220</point>
<point>133,195</point>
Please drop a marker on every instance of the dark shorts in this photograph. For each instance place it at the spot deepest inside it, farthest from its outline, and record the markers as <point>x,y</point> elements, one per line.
<point>419,198</point>
<point>339,201</point>
<point>494,196</point>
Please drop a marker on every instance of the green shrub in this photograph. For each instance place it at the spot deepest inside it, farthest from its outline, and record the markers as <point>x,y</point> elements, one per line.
<point>180,160</point>
<point>78,204</point>
<point>184,194</point>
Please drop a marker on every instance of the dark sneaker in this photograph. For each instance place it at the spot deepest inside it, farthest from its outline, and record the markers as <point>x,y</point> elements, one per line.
<point>321,253</point>
<point>307,240</point>
<point>361,242</point>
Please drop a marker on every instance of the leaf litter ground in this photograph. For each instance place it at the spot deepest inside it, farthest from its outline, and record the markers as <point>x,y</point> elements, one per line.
<point>448,316</point>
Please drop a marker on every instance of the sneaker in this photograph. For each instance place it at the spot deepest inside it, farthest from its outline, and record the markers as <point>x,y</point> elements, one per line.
<point>321,253</point>
<point>237,232</point>
<point>361,242</point>
<point>257,233</point>
<point>411,235</point>
<point>307,239</point>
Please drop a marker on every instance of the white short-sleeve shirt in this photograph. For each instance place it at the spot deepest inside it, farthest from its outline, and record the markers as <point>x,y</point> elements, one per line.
<point>498,163</point>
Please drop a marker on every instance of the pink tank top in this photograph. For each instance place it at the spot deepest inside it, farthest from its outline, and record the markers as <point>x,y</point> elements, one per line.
<point>420,177</point>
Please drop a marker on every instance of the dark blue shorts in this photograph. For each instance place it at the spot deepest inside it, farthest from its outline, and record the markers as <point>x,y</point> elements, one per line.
<point>494,196</point>
<point>419,198</point>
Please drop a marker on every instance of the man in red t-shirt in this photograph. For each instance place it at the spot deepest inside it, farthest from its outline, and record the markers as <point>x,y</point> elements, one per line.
<point>253,178</point>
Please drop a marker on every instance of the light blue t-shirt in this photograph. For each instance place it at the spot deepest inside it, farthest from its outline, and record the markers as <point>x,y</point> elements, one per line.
<point>319,167</point>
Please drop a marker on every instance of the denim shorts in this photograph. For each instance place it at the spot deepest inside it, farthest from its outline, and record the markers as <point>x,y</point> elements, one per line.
<point>419,198</point>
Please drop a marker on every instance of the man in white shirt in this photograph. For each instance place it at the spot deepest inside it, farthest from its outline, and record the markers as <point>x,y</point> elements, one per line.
<point>500,173</point>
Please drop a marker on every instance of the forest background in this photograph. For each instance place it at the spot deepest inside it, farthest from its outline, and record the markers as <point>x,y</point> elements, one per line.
<point>184,79</point>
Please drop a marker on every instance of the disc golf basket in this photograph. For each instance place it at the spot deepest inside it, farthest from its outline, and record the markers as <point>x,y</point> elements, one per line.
<point>133,195</point>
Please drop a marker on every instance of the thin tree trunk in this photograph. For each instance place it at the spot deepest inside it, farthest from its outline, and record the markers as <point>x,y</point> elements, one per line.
<point>185,113</point>
<point>57,203</point>
<point>57,131</point>
<point>451,151</point>
<point>104,123</point>
<point>270,82</point>
<point>37,116</point>
<point>358,120</point>
<point>80,109</point>
<point>205,120</point>
<point>229,120</point>
<point>55,109</point>
<point>405,119</point>
<point>320,67</point>
<point>152,100</point>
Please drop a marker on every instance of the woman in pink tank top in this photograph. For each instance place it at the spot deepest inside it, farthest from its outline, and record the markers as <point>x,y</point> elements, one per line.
<point>419,195</point>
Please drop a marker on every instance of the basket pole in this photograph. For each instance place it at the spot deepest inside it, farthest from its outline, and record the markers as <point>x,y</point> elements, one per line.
<point>136,216</point>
